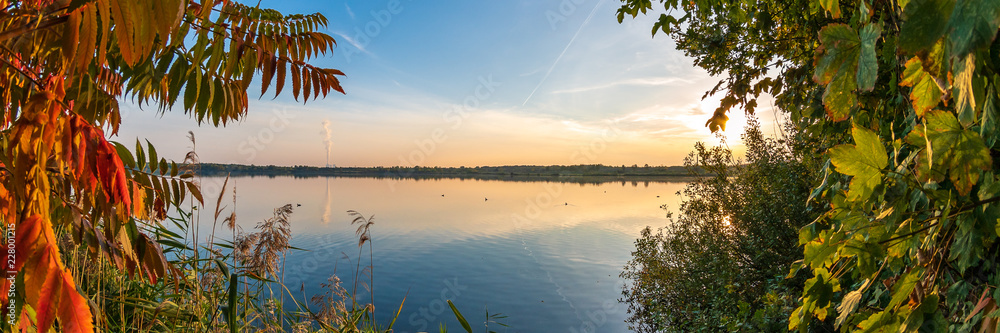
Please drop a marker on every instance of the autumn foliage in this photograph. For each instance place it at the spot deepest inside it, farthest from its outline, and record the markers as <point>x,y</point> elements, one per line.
<point>64,67</point>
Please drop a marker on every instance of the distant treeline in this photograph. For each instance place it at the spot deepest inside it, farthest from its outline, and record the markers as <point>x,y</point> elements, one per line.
<point>592,173</point>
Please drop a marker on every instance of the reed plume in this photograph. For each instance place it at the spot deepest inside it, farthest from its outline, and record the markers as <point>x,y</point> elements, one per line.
<point>269,243</point>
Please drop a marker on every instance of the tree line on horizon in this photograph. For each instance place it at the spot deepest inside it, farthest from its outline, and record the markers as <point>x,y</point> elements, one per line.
<point>591,170</point>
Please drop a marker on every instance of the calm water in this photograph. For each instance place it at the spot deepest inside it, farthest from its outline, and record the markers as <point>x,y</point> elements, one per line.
<point>545,254</point>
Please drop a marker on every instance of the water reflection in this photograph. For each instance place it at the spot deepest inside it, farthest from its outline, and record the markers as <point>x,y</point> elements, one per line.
<point>547,254</point>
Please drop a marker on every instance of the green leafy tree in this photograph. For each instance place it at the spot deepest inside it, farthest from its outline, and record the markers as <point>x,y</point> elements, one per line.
<point>901,103</point>
<point>720,266</point>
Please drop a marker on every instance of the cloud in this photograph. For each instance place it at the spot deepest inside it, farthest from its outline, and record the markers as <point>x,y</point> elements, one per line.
<point>533,72</point>
<point>664,81</point>
<point>659,121</point>
<point>349,11</point>
<point>354,43</point>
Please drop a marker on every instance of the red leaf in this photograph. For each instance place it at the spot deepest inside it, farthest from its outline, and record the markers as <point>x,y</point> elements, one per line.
<point>48,292</point>
<point>74,312</point>
<point>113,178</point>
<point>54,293</point>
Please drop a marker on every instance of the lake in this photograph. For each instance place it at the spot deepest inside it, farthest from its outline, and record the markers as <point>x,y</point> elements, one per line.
<point>545,254</point>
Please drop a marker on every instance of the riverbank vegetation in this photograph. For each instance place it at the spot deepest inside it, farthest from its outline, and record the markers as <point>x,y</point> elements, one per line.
<point>583,174</point>
<point>721,262</point>
<point>896,102</point>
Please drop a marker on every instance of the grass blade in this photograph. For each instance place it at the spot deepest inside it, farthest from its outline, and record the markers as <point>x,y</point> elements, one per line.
<point>461,319</point>
<point>393,322</point>
<point>231,311</point>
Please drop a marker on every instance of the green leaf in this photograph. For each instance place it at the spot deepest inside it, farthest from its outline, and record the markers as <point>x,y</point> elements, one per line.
<point>818,293</point>
<point>915,320</point>
<point>965,90</point>
<point>461,319</point>
<point>973,25</point>
<point>839,97</point>
<point>904,286</point>
<point>153,159</point>
<point>124,154</point>
<point>967,247</point>
<point>864,160</point>
<point>818,252</point>
<point>867,63</point>
<point>990,124</point>
<point>882,322</point>
<point>831,6</point>
<point>924,22</point>
<point>795,321</point>
<point>839,48</point>
<point>925,93</point>
<point>959,152</point>
<point>839,64</point>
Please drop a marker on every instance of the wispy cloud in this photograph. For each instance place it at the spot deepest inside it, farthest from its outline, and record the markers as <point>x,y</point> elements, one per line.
<point>629,82</point>
<point>349,11</point>
<point>354,43</point>
<point>530,73</point>
<point>664,121</point>
<point>554,63</point>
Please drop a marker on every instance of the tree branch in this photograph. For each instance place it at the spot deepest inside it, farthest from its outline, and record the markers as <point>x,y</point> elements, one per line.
<point>8,34</point>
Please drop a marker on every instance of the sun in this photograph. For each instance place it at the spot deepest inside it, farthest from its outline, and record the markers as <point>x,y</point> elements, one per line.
<point>734,127</point>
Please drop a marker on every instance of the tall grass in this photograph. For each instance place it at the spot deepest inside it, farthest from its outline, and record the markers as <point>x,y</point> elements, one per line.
<point>227,282</point>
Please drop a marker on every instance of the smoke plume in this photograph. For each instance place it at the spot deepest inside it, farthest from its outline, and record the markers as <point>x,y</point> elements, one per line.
<point>326,140</point>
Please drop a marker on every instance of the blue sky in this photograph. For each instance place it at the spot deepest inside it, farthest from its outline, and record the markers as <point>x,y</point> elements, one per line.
<point>451,83</point>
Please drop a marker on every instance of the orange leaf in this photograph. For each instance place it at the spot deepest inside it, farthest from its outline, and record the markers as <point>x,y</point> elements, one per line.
<point>47,298</point>
<point>74,312</point>
<point>55,293</point>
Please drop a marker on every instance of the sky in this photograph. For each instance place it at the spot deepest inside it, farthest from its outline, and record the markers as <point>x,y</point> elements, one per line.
<point>467,83</point>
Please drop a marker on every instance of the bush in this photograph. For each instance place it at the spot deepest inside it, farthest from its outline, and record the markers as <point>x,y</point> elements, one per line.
<point>721,264</point>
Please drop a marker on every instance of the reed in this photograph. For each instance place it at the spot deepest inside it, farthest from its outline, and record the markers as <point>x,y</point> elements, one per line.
<point>232,284</point>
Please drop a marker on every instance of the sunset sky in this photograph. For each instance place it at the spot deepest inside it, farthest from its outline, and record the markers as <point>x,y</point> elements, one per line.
<point>452,83</point>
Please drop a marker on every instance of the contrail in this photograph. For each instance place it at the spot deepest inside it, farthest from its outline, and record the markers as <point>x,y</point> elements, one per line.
<point>563,52</point>
<point>326,140</point>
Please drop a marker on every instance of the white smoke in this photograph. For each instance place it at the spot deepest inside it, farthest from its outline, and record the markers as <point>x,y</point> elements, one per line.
<point>327,140</point>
